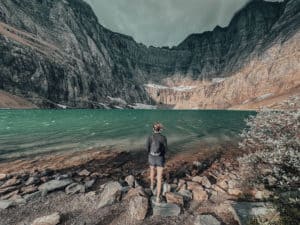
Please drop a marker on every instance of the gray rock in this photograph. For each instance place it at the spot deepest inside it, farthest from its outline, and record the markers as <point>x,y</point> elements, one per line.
<point>52,219</point>
<point>187,194</point>
<point>4,204</point>
<point>130,179</point>
<point>166,188</point>
<point>138,207</point>
<point>206,220</point>
<point>84,172</point>
<point>53,185</point>
<point>32,196</point>
<point>164,209</point>
<point>88,184</point>
<point>32,180</point>
<point>244,212</point>
<point>74,188</point>
<point>110,194</point>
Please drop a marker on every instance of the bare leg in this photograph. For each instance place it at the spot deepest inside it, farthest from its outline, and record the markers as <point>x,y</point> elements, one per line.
<point>159,182</point>
<point>152,172</point>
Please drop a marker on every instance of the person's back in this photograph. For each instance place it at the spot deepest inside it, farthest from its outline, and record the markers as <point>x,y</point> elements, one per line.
<point>157,144</point>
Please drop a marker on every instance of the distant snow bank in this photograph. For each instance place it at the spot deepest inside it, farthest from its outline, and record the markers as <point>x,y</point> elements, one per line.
<point>176,88</point>
<point>143,106</point>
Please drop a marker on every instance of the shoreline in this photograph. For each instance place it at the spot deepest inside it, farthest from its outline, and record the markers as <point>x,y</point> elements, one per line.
<point>209,175</point>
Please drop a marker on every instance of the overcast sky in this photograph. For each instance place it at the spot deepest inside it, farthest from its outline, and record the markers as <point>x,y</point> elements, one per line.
<point>164,22</point>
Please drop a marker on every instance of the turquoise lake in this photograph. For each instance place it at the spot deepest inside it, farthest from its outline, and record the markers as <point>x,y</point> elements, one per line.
<point>26,133</point>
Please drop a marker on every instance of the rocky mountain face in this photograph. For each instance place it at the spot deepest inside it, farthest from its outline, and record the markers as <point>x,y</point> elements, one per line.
<point>55,52</point>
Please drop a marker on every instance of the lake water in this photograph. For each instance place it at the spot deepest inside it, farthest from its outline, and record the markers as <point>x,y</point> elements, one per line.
<point>30,132</point>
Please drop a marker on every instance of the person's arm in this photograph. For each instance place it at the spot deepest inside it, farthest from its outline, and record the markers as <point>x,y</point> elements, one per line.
<point>166,145</point>
<point>148,144</point>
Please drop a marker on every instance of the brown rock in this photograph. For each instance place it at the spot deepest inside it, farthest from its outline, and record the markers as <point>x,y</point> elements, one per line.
<point>223,184</point>
<point>2,176</point>
<point>11,182</point>
<point>29,189</point>
<point>197,179</point>
<point>7,189</point>
<point>199,194</point>
<point>138,191</point>
<point>192,185</point>
<point>234,191</point>
<point>205,182</point>
<point>9,195</point>
<point>174,198</point>
<point>218,189</point>
<point>138,207</point>
<point>45,179</point>
<point>84,172</point>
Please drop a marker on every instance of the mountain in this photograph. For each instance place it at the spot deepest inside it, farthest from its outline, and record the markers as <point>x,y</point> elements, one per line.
<point>55,53</point>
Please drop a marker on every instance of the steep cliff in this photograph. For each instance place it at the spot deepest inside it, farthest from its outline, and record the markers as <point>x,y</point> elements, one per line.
<point>54,52</point>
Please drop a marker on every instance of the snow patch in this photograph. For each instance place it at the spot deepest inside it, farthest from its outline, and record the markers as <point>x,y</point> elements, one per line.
<point>176,88</point>
<point>143,106</point>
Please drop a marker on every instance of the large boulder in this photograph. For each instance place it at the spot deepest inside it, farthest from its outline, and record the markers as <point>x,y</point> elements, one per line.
<point>110,194</point>
<point>164,209</point>
<point>53,185</point>
<point>138,207</point>
<point>244,212</point>
<point>52,219</point>
<point>206,220</point>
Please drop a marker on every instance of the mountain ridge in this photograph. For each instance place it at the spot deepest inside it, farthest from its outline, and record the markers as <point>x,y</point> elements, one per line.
<point>70,59</point>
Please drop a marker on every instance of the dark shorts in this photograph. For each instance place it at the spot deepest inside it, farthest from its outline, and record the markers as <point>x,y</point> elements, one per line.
<point>156,160</point>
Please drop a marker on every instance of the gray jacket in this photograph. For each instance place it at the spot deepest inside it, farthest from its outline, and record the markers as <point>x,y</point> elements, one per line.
<point>156,144</point>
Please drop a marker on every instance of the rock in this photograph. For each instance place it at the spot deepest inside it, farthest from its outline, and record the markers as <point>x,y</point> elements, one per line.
<point>84,172</point>
<point>45,179</point>
<point>130,180</point>
<point>218,189</point>
<point>52,219</point>
<point>7,189</point>
<point>47,172</point>
<point>4,204</point>
<point>202,180</point>
<point>235,191</point>
<point>28,189</point>
<point>136,183</point>
<point>173,187</point>
<point>110,194</point>
<point>32,180</point>
<point>206,220</point>
<point>166,188</point>
<point>199,194</point>
<point>11,182</point>
<point>205,182</point>
<point>271,180</point>
<point>88,184</point>
<point>95,175</point>
<point>62,176</point>
<point>138,207</point>
<point>18,200</point>
<point>174,198</point>
<point>164,209</point>
<point>232,184</point>
<point>53,185</point>
<point>187,194</point>
<point>74,188</point>
<point>223,184</point>
<point>138,191</point>
<point>244,212</point>
<point>191,185</point>
<point>197,179</point>
<point>262,194</point>
<point>33,195</point>
<point>9,195</point>
<point>2,176</point>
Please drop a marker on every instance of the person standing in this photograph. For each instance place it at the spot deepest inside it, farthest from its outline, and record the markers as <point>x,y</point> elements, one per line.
<point>156,146</point>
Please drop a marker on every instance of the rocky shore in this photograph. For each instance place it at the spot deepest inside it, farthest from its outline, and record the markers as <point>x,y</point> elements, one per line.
<point>204,187</point>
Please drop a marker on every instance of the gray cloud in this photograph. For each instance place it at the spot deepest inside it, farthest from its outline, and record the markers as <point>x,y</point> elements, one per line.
<point>164,22</point>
